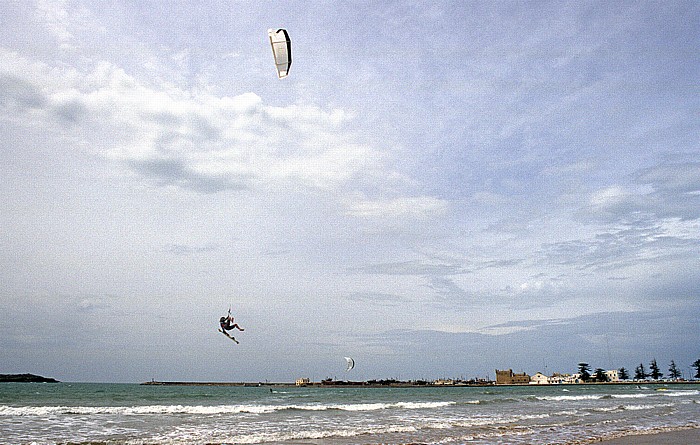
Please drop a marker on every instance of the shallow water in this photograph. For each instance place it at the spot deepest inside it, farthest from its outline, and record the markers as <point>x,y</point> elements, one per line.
<point>135,414</point>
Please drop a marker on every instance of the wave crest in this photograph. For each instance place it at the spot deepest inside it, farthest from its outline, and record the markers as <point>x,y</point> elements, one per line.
<point>207,410</point>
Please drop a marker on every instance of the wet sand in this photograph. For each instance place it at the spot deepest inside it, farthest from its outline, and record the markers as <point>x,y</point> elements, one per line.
<point>680,437</point>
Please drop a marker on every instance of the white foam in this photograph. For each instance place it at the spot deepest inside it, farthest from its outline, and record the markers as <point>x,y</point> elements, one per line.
<point>681,393</point>
<point>315,434</point>
<point>423,405</point>
<point>631,396</point>
<point>572,398</point>
<point>42,411</point>
<point>646,407</point>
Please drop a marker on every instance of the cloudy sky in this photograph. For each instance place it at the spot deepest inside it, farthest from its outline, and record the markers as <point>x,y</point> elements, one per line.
<point>438,189</point>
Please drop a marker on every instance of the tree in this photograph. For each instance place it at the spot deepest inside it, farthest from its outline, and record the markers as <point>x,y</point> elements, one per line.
<point>655,373</point>
<point>673,371</point>
<point>585,370</point>
<point>623,374</point>
<point>696,365</point>
<point>600,375</point>
<point>640,373</point>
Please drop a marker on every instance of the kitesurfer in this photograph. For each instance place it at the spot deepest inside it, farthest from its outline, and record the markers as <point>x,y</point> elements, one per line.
<point>227,323</point>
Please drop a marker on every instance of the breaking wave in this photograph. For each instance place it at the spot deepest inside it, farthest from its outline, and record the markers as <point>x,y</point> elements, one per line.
<point>208,410</point>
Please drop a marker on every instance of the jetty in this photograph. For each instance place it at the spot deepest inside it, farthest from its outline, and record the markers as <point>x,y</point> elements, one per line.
<point>329,383</point>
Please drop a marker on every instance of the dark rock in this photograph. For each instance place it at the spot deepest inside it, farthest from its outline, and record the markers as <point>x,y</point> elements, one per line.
<point>26,378</point>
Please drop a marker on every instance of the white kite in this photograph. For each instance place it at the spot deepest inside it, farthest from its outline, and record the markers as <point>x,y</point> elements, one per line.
<point>351,363</point>
<point>282,50</point>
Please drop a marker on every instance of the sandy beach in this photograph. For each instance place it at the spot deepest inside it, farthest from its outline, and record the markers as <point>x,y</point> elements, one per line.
<point>689,436</point>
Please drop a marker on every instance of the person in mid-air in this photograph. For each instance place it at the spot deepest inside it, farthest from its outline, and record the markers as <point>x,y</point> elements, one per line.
<point>227,323</point>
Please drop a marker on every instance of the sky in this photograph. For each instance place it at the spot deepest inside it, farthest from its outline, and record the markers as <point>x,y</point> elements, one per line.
<point>438,189</point>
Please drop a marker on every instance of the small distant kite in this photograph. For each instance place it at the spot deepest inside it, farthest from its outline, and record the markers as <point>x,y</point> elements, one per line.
<point>281,50</point>
<point>350,362</point>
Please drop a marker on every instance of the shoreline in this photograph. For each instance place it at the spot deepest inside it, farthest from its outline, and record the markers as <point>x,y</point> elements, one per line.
<point>662,436</point>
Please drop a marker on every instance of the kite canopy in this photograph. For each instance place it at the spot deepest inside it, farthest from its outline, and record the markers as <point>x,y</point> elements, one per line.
<point>351,363</point>
<point>281,50</point>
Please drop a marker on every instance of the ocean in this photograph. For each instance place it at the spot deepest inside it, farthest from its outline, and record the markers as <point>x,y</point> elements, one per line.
<point>91,413</point>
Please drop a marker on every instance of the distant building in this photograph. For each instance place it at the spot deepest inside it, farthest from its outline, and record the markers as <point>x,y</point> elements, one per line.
<point>576,378</point>
<point>444,382</point>
<point>303,381</point>
<point>559,379</point>
<point>612,375</point>
<point>539,379</point>
<point>510,378</point>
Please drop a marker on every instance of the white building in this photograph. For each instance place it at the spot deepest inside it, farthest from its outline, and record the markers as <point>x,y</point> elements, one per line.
<point>612,375</point>
<point>559,379</point>
<point>539,379</point>
<point>444,382</point>
<point>575,378</point>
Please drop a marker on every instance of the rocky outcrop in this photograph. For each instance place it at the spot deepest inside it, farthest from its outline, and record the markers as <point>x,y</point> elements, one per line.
<point>26,378</point>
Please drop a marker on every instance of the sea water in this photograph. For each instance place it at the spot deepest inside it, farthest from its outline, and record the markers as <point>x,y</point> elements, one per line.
<point>90,413</point>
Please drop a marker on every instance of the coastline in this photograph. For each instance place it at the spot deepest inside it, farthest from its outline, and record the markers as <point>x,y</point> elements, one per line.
<point>681,436</point>
<point>371,384</point>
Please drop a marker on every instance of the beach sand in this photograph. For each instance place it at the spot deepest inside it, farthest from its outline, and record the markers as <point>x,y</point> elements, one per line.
<point>680,437</point>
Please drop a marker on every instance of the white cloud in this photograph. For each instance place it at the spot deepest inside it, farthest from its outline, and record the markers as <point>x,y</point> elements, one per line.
<point>56,19</point>
<point>679,229</point>
<point>197,141</point>
<point>683,178</point>
<point>419,207</point>
<point>664,191</point>
<point>19,95</point>
<point>490,198</point>
<point>609,197</point>
<point>412,268</point>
